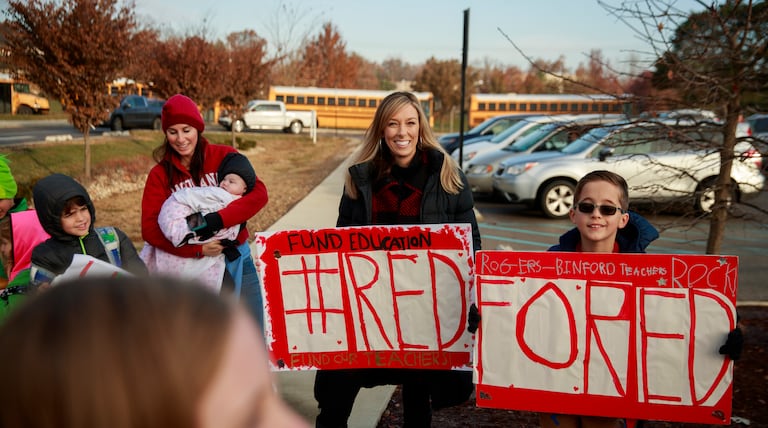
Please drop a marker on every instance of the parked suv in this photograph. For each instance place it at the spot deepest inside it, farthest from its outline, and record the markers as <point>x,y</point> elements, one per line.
<point>136,111</point>
<point>662,163</point>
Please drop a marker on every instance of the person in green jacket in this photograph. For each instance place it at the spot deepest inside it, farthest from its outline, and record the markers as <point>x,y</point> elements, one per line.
<point>9,203</point>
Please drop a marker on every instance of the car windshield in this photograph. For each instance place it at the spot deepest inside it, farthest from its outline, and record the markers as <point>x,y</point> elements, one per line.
<point>498,138</point>
<point>587,140</point>
<point>530,139</point>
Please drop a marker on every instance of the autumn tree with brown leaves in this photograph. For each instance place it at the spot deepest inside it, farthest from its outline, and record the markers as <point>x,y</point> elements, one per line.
<point>326,63</point>
<point>246,74</point>
<point>71,50</point>
<point>443,79</point>
<point>190,65</point>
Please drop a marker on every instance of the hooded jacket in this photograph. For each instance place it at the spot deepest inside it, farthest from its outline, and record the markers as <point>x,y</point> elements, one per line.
<point>54,256</point>
<point>437,205</point>
<point>632,238</point>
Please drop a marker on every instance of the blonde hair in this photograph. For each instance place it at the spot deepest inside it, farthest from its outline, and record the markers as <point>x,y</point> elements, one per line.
<point>371,150</point>
<point>112,352</point>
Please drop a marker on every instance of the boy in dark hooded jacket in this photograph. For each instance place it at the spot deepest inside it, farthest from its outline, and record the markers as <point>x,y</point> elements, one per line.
<point>66,212</point>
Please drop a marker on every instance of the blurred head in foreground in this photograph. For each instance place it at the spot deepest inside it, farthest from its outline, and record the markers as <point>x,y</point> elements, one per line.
<point>135,352</point>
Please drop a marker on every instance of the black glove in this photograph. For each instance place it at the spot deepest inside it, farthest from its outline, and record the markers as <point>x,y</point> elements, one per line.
<point>473,319</point>
<point>733,344</point>
<point>204,226</point>
<point>230,249</point>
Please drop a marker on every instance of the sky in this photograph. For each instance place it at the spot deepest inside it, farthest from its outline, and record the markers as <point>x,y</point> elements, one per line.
<point>415,30</point>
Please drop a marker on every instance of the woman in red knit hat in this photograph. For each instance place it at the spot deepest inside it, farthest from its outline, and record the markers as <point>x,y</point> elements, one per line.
<point>187,159</point>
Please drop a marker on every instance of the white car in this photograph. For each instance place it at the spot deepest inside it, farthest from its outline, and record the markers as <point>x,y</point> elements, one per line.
<point>663,163</point>
<point>552,136</point>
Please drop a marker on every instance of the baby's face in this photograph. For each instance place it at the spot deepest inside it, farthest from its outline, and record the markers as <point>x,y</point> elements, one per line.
<point>234,184</point>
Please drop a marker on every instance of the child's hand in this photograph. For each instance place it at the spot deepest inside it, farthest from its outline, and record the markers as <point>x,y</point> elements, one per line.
<point>212,249</point>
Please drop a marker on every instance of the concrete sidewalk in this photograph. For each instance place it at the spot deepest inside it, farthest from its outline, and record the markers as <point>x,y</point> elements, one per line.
<point>317,210</point>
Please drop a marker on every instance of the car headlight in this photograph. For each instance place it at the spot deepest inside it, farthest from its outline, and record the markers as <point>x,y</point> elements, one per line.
<point>469,156</point>
<point>519,168</point>
<point>479,169</point>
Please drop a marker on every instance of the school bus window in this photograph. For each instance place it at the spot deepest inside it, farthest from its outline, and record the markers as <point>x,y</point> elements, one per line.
<point>351,102</point>
<point>289,99</point>
<point>534,107</point>
<point>279,98</point>
<point>321,101</point>
<point>595,107</point>
<point>481,106</point>
<point>584,107</point>
<point>553,107</point>
<point>574,107</point>
<point>502,106</point>
<point>563,106</point>
<point>491,106</point>
<point>372,103</point>
<point>523,106</point>
<point>616,108</point>
<point>342,101</point>
<point>300,99</point>
<point>605,107</point>
<point>331,101</point>
<point>543,106</point>
<point>311,100</point>
<point>512,106</point>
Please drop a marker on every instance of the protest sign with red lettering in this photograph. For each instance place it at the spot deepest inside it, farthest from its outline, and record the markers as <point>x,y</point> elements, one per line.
<point>622,335</point>
<point>372,296</point>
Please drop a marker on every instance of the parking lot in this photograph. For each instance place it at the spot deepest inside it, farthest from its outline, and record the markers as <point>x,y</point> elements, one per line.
<point>510,226</point>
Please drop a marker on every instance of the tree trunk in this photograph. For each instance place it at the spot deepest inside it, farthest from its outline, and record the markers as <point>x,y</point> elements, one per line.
<point>87,150</point>
<point>723,185</point>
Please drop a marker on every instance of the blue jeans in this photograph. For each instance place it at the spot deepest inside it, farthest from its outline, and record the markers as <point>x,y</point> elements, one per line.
<point>247,284</point>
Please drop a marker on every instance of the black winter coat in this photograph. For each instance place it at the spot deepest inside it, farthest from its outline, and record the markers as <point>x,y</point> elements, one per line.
<point>55,254</point>
<point>437,205</point>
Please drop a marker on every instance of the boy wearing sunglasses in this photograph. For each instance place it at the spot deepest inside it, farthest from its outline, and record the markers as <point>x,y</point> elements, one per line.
<point>603,222</point>
<point>603,225</point>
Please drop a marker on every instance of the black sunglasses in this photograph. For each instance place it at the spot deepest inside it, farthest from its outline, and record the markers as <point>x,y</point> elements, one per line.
<point>606,210</point>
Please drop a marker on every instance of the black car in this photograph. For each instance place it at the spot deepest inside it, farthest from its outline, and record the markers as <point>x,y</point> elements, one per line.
<point>136,111</point>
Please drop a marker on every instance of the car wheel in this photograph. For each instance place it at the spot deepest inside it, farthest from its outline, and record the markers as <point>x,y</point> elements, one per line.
<point>296,127</point>
<point>157,124</point>
<point>117,124</point>
<point>556,199</point>
<point>705,196</point>
<point>238,125</point>
<point>24,110</point>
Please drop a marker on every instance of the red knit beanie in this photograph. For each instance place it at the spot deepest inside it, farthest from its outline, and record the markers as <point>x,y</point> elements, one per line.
<point>181,109</point>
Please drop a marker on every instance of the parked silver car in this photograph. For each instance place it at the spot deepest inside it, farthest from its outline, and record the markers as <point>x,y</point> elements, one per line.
<point>663,163</point>
<point>550,135</point>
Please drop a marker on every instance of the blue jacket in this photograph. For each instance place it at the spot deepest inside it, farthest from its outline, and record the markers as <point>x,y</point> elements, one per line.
<point>633,238</point>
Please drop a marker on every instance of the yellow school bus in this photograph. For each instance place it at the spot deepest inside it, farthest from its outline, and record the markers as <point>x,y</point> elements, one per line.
<point>485,106</point>
<point>341,108</point>
<point>17,97</point>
